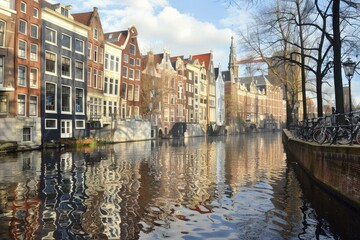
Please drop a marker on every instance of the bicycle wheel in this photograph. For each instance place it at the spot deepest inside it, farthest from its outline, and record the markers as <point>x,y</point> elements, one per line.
<point>344,136</point>
<point>357,137</point>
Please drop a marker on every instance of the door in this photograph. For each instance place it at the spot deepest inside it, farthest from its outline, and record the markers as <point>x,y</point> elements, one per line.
<point>66,128</point>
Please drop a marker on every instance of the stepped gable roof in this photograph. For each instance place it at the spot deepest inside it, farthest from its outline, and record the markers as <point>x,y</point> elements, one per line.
<point>119,37</point>
<point>203,58</point>
<point>83,18</point>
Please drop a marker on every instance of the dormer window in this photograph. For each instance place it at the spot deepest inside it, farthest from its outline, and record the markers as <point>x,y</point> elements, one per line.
<point>96,34</point>
<point>64,12</point>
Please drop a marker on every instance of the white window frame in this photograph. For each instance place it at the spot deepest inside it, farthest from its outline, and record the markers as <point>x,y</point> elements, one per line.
<point>33,56</point>
<point>55,37</point>
<point>83,68</point>
<point>36,13</point>
<point>36,106</point>
<point>78,121</point>
<point>18,108</point>
<point>23,7</point>
<point>83,45</point>
<point>22,50</point>
<point>25,74</point>
<point>3,33</point>
<point>55,99</point>
<point>30,134</point>
<point>53,120</point>
<point>31,31</point>
<point>70,41</point>
<point>70,99</point>
<point>25,30</point>
<point>55,64</point>
<point>62,75</point>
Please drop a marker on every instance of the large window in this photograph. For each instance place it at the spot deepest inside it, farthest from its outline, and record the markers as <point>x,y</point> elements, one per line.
<point>79,100</point>
<point>50,96</point>
<point>79,70</point>
<point>50,124</point>
<point>111,86</point>
<point>65,66</point>
<point>33,78</point>
<point>132,49</point>
<point>34,31</point>
<point>33,52</point>
<point>106,64</point>
<point>2,33</point>
<point>22,26</point>
<point>112,63</point>
<point>3,104</point>
<point>26,134</point>
<point>124,72</point>
<point>89,50</point>
<point>106,82</point>
<point>22,75</point>
<point>1,70</point>
<point>66,41</point>
<point>116,87</point>
<point>21,105</point>
<point>50,63</point>
<point>95,53</point>
<point>65,99</point>
<point>50,36</point>
<point>130,94</point>
<point>33,107</point>
<point>131,74</point>
<point>22,49</point>
<point>95,76</point>
<point>79,46</point>
<point>137,92</point>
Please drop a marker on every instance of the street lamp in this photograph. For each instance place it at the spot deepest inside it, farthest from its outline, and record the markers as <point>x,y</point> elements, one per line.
<point>349,69</point>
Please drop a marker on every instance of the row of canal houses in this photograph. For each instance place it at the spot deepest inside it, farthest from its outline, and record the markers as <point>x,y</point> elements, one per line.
<point>62,77</point>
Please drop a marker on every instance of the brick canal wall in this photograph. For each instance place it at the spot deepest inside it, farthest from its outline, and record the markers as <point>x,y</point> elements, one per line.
<point>335,167</point>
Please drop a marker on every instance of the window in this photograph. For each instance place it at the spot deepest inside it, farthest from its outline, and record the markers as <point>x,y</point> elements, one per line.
<point>33,52</point>
<point>35,13</point>
<point>89,51</point>
<point>132,62</point>
<point>22,26</point>
<point>65,99</point>
<point>130,92</point>
<point>65,66</point>
<point>79,124</point>
<point>64,12</point>
<point>34,31</point>
<point>95,53</point>
<point>95,78</point>
<point>138,62</point>
<point>106,64</point>
<point>33,107</point>
<point>66,41</point>
<point>117,64</point>
<point>50,124</point>
<point>79,70</point>
<point>124,72</point>
<point>112,63</point>
<point>50,96</point>
<point>132,49</point>
<point>33,78</point>
<point>50,64</point>
<point>126,58</point>
<point>99,81</point>
<point>89,76</point>
<point>137,74</point>
<point>79,100</point>
<point>79,46</point>
<point>3,104</point>
<point>23,7</point>
<point>26,134</point>
<point>50,36</point>
<point>96,34</point>
<point>111,86</point>
<point>106,82</point>
<point>131,74</point>
<point>116,88</point>
<point>2,33</point>
<point>21,75</point>
<point>1,70</point>
<point>22,49</point>
<point>21,105</point>
<point>137,93</point>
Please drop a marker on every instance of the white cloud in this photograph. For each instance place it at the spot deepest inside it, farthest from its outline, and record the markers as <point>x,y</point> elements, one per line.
<point>161,26</point>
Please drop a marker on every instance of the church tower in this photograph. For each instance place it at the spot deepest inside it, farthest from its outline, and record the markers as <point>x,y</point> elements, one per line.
<point>233,61</point>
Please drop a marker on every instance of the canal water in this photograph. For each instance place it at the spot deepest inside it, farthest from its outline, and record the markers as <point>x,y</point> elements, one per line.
<point>234,187</point>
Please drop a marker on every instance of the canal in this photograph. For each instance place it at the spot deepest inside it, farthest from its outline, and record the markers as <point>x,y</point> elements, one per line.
<point>234,187</point>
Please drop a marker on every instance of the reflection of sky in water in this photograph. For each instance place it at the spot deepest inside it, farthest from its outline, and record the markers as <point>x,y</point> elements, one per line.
<point>196,188</point>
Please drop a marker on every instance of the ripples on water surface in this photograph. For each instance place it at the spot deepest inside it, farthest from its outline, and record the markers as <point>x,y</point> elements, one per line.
<point>223,188</point>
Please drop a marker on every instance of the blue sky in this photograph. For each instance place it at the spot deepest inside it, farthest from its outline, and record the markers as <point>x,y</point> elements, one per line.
<point>185,27</point>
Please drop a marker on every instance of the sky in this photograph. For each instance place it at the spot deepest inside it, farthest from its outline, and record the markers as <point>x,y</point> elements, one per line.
<point>184,27</point>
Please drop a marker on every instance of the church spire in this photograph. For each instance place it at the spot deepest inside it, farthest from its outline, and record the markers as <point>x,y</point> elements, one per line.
<point>232,59</point>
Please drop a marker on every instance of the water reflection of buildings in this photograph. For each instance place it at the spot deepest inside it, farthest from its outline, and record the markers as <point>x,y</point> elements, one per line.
<point>19,200</point>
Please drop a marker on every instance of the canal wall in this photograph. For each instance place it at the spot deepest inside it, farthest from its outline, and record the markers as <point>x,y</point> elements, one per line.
<point>336,168</point>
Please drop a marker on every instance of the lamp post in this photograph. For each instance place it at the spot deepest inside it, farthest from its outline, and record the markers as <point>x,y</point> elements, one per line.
<point>349,69</point>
